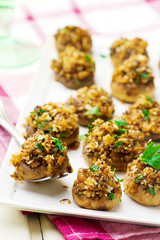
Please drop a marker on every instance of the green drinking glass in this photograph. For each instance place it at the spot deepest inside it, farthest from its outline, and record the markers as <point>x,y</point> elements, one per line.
<point>13,53</point>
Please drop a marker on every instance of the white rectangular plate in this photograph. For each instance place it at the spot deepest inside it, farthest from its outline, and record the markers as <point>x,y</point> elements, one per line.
<point>45,197</point>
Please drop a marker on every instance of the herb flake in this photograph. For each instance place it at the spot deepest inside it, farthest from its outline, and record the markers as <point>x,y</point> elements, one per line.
<point>111,196</point>
<point>58,144</point>
<point>94,168</point>
<point>120,123</point>
<point>146,114</point>
<point>94,111</point>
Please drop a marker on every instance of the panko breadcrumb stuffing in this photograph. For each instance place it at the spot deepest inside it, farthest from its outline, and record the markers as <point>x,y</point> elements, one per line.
<point>142,183</point>
<point>114,142</point>
<point>91,103</point>
<point>74,68</point>
<point>145,114</point>
<point>40,156</point>
<point>123,48</point>
<point>73,36</point>
<point>133,78</point>
<point>57,119</point>
<point>96,187</point>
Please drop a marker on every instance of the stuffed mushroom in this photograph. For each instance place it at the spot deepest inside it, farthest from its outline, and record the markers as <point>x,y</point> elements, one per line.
<point>73,36</point>
<point>145,114</point>
<point>56,119</point>
<point>142,180</point>
<point>133,78</point>
<point>123,48</point>
<point>74,68</point>
<point>96,187</point>
<point>40,156</point>
<point>114,142</point>
<point>91,103</point>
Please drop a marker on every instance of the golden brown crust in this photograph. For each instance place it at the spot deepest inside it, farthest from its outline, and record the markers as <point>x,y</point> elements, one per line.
<point>96,188</point>
<point>40,156</point>
<point>145,114</point>
<point>129,93</point>
<point>116,145</point>
<point>56,119</point>
<point>123,48</point>
<point>91,103</point>
<point>73,36</point>
<point>142,183</point>
<point>74,68</point>
<point>133,78</point>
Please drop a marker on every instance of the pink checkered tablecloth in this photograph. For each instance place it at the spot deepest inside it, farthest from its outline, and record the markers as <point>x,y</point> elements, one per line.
<point>106,18</point>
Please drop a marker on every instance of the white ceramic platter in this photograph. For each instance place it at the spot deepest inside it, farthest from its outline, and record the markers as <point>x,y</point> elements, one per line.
<point>45,197</point>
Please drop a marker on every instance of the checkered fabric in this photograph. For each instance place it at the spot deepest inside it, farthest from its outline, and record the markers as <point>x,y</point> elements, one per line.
<point>106,18</point>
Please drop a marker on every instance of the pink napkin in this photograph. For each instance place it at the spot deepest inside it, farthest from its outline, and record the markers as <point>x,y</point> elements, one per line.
<point>14,85</point>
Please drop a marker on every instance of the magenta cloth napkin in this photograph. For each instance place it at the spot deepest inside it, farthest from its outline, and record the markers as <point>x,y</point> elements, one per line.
<point>98,17</point>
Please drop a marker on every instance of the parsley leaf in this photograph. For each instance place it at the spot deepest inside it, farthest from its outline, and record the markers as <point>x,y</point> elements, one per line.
<point>33,113</point>
<point>94,111</point>
<point>121,123</point>
<point>58,144</point>
<point>94,168</point>
<point>88,58</point>
<point>82,137</point>
<point>117,144</point>
<point>41,125</point>
<point>39,146</point>
<point>42,111</point>
<point>151,191</point>
<point>50,129</point>
<point>122,131</point>
<point>144,75</point>
<point>103,56</point>
<point>146,114</point>
<point>111,196</point>
<point>149,99</point>
<point>63,134</point>
<point>139,178</point>
<point>151,156</point>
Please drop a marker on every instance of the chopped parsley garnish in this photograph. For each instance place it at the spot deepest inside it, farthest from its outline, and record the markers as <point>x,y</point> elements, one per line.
<point>151,191</point>
<point>94,168</point>
<point>94,111</point>
<point>63,134</point>
<point>22,146</point>
<point>50,129</point>
<point>111,196</point>
<point>42,111</point>
<point>39,146</point>
<point>103,56</point>
<point>82,137</point>
<point>80,193</point>
<point>151,156</point>
<point>121,123</point>
<point>146,114</point>
<point>117,144</point>
<point>14,190</point>
<point>78,83</point>
<point>149,99</point>
<point>122,131</point>
<point>121,180</point>
<point>144,75</point>
<point>41,125</point>
<point>33,113</point>
<point>88,58</point>
<point>58,144</point>
<point>90,127</point>
<point>115,135</point>
<point>139,178</point>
